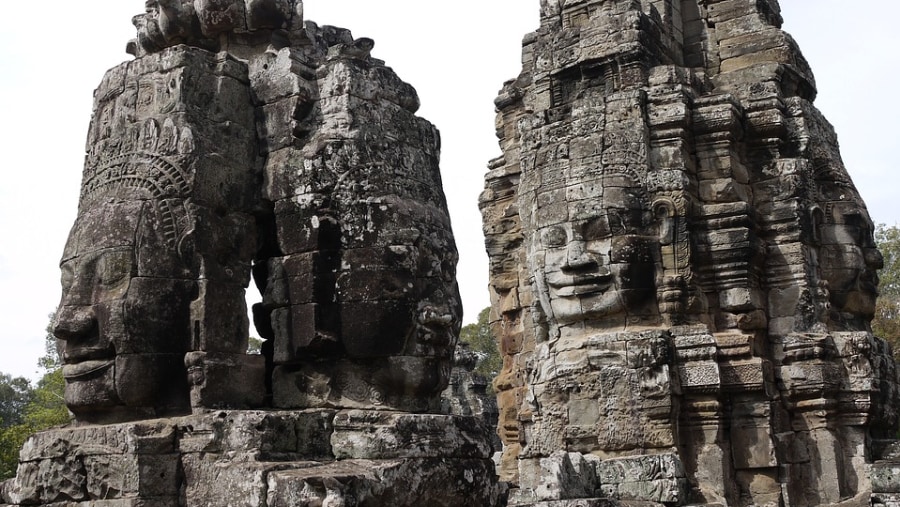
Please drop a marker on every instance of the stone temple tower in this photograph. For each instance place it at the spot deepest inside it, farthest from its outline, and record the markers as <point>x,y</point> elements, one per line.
<point>682,272</point>
<point>246,142</point>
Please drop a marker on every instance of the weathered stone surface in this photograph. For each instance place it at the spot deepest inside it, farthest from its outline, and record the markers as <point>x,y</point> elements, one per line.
<point>244,142</point>
<point>467,394</point>
<point>386,482</point>
<point>680,264</point>
<point>261,458</point>
<point>595,502</point>
<point>560,476</point>
<point>362,434</point>
<point>682,275</point>
<point>226,380</point>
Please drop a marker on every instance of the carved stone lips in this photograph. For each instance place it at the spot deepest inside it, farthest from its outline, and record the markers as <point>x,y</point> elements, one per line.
<point>79,354</point>
<point>432,317</point>
<point>80,362</point>
<point>434,325</point>
<point>581,285</point>
<point>85,369</point>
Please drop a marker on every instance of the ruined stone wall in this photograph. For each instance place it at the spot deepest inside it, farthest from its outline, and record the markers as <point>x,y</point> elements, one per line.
<point>680,265</point>
<point>259,458</point>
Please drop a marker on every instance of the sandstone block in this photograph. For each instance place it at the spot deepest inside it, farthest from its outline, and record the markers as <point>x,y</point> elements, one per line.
<point>384,435</point>
<point>406,483</point>
<point>226,380</point>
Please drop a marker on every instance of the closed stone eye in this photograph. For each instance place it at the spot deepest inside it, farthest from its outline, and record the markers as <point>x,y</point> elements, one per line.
<point>553,237</point>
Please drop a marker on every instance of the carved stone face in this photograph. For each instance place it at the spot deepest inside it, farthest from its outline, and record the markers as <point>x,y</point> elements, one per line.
<point>592,275</point>
<point>149,35</point>
<point>374,309</point>
<point>166,23</point>
<point>595,268</point>
<point>408,309</point>
<point>849,258</point>
<point>124,316</point>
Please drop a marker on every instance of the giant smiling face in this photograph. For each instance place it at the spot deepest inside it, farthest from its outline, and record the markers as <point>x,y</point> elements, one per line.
<point>592,263</point>
<point>124,316</point>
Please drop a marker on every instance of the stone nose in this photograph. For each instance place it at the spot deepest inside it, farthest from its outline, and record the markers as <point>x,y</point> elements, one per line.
<point>578,258</point>
<point>873,258</point>
<point>435,316</point>
<point>73,322</point>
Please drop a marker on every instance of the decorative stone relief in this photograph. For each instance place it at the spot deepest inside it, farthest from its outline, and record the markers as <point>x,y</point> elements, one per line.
<point>164,238</point>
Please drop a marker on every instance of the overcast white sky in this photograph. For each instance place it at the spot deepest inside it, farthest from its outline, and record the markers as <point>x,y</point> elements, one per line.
<point>457,54</point>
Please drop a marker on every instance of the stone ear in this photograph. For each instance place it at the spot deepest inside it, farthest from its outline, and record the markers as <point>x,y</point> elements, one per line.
<point>664,219</point>
<point>186,246</point>
<point>817,219</point>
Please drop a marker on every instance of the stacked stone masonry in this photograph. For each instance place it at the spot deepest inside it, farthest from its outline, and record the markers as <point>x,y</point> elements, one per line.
<point>682,273</point>
<point>265,458</point>
<point>682,276</point>
<point>245,143</point>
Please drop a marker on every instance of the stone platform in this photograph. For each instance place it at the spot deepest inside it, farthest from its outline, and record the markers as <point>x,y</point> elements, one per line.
<point>261,458</point>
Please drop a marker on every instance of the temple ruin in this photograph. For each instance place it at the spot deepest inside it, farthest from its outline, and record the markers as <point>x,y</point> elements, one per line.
<point>682,276</point>
<point>682,272</point>
<point>244,142</point>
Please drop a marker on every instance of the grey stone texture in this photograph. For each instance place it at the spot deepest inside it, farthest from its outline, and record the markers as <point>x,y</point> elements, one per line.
<point>467,393</point>
<point>243,140</point>
<point>682,272</point>
<point>682,276</point>
<point>259,458</point>
<point>245,143</point>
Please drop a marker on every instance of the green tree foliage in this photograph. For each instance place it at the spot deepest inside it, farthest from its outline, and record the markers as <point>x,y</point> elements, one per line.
<point>36,407</point>
<point>478,336</point>
<point>886,323</point>
<point>48,405</point>
<point>15,394</point>
<point>11,440</point>
<point>52,358</point>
